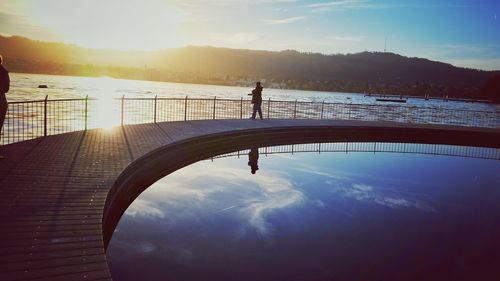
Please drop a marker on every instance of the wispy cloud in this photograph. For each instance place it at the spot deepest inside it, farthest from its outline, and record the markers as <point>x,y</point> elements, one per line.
<point>369,4</point>
<point>315,171</point>
<point>252,198</point>
<point>284,21</point>
<point>144,208</point>
<point>382,196</point>
<point>341,5</point>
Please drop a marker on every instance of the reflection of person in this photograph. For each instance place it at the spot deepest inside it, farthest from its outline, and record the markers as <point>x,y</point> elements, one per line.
<point>253,159</point>
<point>4,88</point>
<point>257,100</point>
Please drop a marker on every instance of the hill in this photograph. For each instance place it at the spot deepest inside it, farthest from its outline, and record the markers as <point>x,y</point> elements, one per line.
<point>361,72</point>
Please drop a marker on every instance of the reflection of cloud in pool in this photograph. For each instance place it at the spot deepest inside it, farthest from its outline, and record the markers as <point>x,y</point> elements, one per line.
<point>393,198</point>
<point>194,191</point>
<point>276,193</point>
<point>144,208</point>
<point>314,171</point>
<point>367,193</point>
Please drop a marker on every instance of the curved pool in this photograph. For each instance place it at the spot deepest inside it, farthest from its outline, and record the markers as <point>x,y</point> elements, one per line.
<point>324,214</point>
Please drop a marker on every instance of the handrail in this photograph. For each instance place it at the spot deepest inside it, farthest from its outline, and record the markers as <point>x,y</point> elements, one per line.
<point>300,102</point>
<point>37,118</point>
<point>56,100</point>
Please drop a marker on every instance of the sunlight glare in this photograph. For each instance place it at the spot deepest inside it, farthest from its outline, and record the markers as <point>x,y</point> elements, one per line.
<point>124,25</point>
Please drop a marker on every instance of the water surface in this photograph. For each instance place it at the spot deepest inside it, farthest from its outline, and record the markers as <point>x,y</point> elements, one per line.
<point>315,216</point>
<point>25,87</point>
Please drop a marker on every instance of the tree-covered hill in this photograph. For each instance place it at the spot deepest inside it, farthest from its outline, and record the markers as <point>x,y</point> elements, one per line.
<point>361,72</point>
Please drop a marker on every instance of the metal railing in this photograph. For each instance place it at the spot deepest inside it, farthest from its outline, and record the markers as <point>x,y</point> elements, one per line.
<point>375,147</point>
<point>31,119</point>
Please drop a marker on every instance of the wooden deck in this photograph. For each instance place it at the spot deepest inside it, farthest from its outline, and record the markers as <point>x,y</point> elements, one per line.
<point>54,189</point>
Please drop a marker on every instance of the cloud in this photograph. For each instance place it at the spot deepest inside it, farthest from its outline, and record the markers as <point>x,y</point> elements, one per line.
<point>343,184</point>
<point>385,197</point>
<point>314,171</point>
<point>144,208</point>
<point>244,195</point>
<point>276,193</point>
<point>284,21</point>
<point>340,5</point>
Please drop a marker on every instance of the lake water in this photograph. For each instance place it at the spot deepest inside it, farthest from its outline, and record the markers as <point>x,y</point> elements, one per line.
<point>30,120</point>
<point>25,87</point>
<point>316,216</point>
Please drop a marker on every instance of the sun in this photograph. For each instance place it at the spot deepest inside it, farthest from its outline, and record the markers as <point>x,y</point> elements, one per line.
<point>112,24</point>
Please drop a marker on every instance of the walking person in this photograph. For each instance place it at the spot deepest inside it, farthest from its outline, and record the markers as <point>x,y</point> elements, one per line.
<point>257,100</point>
<point>4,88</point>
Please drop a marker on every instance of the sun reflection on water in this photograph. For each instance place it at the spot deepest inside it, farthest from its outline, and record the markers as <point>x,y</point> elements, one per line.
<point>106,114</point>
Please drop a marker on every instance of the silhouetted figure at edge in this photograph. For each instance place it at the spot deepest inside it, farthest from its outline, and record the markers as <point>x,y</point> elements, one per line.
<point>4,88</point>
<point>253,159</point>
<point>257,100</point>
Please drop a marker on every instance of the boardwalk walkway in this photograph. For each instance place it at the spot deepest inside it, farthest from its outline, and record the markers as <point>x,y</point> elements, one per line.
<point>54,189</point>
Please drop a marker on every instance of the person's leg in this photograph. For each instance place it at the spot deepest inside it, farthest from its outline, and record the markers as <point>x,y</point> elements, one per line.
<point>254,111</point>
<point>3,110</point>
<point>260,111</point>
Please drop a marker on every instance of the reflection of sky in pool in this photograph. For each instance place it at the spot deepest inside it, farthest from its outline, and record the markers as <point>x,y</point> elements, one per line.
<point>309,216</point>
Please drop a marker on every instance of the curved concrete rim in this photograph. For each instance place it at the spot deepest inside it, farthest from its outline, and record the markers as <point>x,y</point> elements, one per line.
<point>146,170</point>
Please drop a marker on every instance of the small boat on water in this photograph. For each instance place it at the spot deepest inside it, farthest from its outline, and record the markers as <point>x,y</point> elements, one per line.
<point>391,100</point>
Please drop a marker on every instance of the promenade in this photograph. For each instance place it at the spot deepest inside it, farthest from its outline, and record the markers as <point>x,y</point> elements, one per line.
<point>63,195</point>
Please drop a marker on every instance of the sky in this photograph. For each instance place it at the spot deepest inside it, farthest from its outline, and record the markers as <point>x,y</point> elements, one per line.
<point>462,32</point>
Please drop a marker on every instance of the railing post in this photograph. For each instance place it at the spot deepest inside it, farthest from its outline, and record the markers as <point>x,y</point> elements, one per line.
<point>185,108</point>
<point>214,107</point>
<point>349,116</point>
<point>241,108</point>
<point>122,109</point>
<point>156,100</point>
<point>295,110</point>
<point>86,111</point>
<point>322,107</point>
<point>45,116</point>
<point>268,107</point>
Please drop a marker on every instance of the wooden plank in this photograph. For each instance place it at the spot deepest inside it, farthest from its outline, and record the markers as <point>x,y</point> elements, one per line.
<point>52,228</point>
<point>50,240</point>
<point>51,247</point>
<point>54,262</point>
<point>13,258</point>
<point>55,234</point>
<point>92,271</point>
